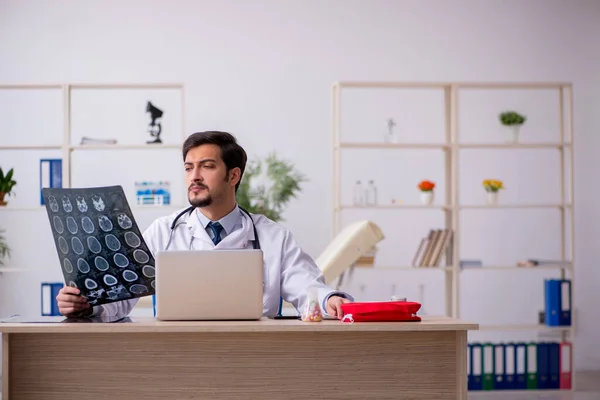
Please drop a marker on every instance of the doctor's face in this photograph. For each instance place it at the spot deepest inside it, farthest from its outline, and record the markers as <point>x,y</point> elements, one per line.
<point>206,176</point>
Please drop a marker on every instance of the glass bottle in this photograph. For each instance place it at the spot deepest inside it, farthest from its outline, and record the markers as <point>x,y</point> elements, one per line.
<point>371,193</point>
<point>358,194</point>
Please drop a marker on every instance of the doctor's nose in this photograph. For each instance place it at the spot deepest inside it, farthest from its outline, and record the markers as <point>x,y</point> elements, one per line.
<point>197,175</point>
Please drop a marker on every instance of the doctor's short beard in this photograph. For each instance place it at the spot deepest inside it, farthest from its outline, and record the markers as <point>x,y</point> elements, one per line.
<point>200,202</point>
<point>205,202</point>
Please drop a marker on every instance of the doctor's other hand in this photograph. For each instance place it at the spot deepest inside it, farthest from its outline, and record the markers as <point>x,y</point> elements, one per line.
<point>334,306</point>
<point>71,303</point>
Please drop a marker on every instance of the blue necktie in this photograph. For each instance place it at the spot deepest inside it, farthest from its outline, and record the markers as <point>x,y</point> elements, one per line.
<point>216,229</point>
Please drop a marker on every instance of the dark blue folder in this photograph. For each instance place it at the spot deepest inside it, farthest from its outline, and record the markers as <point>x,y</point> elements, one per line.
<point>565,302</point>
<point>554,365</point>
<point>475,377</point>
<point>543,366</point>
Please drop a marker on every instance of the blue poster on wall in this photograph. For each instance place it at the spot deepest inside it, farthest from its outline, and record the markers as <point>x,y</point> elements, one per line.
<point>99,245</point>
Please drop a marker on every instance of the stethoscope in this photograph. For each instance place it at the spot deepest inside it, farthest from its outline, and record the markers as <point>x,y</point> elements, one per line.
<point>189,210</point>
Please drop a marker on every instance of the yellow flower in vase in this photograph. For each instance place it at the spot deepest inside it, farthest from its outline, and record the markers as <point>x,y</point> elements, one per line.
<point>492,186</point>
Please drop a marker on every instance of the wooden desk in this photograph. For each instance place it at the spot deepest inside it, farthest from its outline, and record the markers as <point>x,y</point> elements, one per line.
<point>267,359</point>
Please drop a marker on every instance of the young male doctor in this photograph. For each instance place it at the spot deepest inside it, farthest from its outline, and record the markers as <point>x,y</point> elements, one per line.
<point>214,164</point>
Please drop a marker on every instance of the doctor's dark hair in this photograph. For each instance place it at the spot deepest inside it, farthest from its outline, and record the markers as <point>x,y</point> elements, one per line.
<point>233,155</point>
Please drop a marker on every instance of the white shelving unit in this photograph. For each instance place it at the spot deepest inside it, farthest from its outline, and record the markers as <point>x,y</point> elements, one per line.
<point>452,206</point>
<point>67,148</point>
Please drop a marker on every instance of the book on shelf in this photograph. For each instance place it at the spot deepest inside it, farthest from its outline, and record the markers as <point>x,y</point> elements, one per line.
<point>431,248</point>
<point>89,140</point>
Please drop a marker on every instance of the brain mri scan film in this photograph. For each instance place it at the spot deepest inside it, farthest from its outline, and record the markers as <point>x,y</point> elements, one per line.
<point>100,248</point>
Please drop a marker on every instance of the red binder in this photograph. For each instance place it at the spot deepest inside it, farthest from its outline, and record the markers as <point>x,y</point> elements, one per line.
<point>566,364</point>
<point>381,311</point>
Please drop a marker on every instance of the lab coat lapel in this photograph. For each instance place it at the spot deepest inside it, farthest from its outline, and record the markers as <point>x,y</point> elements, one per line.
<point>197,230</point>
<point>239,239</point>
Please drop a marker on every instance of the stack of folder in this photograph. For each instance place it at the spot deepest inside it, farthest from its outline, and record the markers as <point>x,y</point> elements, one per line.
<point>557,293</point>
<point>519,366</point>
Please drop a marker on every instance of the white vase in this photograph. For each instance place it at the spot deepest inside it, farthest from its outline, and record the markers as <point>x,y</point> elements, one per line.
<point>427,197</point>
<point>514,132</point>
<point>492,198</point>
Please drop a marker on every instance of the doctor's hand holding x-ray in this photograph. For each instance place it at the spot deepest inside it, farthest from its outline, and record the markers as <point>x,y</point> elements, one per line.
<point>214,164</point>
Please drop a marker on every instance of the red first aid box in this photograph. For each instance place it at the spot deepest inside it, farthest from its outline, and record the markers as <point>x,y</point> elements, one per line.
<point>381,311</point>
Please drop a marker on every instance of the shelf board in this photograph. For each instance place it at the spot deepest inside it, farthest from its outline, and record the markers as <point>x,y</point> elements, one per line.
<point>504,206</point>
<point>31,86</point>
<point>154,208</point>
<point>165,85</point>
<point>32,147</point>
<point>512,85</point>
<point>406,268</point>
<point>447,85</point>
<point>13,269</point>
<point>394,207</point>
<point>124,147</point>
<point>350,145</point>
<point>443,146</point>
<point>548,145</point>
<point>392,85</point>
<point>566,265</point>
<point>450,268</point>
<point>449,207</point>
<point>29,208</point>
<point>523,327</point>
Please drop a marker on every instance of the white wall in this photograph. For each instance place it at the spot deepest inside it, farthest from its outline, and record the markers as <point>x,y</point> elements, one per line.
<point>263,70</point>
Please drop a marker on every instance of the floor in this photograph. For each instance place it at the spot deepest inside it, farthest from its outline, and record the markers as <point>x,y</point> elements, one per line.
<point>587,388</point>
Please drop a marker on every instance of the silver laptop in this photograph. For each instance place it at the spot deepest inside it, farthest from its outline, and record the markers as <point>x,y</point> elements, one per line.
<point>209,285</point>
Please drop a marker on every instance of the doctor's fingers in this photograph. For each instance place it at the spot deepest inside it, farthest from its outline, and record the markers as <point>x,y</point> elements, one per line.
<point>69,290</point>
<point>69,298</point>
<point>70,308</point>
<point>332,309</point>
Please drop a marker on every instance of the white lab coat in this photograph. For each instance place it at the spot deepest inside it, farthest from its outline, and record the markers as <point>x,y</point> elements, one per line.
<point>288,270</point>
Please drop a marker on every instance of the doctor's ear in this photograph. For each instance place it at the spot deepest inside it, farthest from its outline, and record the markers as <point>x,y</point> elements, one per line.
<point>234,176</point>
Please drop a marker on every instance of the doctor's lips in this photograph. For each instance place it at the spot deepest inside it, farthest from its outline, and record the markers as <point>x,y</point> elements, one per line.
<point>196,188</point>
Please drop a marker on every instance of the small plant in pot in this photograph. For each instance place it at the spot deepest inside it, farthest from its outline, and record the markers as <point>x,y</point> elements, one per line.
<point>513,120</point>
<point>426,187</point>
<point>492,187</point>
<point>6,185</point>
<point>4,249</point>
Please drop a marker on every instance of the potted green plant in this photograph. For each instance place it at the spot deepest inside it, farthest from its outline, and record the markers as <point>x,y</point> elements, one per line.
<point>513,120</point>
<point>6,185</point>
<point>268,185</point>
<point>4,249</point>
